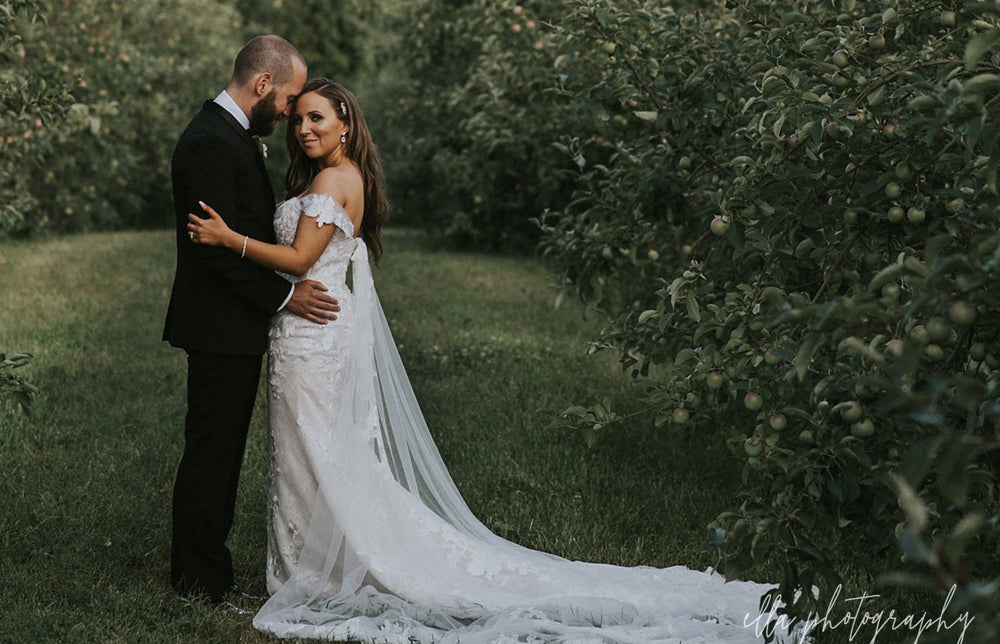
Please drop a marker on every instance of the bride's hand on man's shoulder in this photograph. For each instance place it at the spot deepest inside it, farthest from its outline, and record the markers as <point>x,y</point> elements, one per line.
<point>208,231</point>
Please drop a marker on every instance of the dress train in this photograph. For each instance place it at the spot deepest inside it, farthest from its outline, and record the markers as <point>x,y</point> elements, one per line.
<point>391,552</point>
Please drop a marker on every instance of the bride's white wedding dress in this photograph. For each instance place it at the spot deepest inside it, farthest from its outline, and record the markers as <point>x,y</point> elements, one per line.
<point>369,539</point>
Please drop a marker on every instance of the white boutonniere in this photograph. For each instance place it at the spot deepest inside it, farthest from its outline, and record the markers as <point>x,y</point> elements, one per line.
<point>261,146</point>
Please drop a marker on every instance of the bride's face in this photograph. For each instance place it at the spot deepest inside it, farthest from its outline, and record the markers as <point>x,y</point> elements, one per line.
<point>318,128</point>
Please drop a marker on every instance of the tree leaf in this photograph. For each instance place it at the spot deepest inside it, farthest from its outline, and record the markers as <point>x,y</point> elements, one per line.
<point>978,45</point>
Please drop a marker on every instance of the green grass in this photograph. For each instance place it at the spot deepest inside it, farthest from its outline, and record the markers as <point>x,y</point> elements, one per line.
<point>85,490</point>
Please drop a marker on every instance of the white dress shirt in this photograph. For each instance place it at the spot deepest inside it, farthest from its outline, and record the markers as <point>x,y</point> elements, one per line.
<point>227,103</point>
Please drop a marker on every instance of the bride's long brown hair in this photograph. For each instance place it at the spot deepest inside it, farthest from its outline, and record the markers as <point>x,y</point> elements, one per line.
<point>359,148</point>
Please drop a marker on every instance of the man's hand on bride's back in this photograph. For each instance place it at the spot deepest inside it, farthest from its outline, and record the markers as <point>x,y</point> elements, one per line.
<point>310,301</point>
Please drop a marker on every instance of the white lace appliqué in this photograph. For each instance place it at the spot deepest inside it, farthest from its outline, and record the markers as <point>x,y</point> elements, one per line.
<point>326,210</point>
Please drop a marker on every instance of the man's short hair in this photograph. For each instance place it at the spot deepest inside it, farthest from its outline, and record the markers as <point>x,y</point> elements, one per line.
<point>266,54</point>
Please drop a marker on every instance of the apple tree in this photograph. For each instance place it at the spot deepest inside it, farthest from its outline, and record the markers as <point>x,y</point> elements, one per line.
<point>791,220</point>
<point>135,71</point>
<point>28,100</point>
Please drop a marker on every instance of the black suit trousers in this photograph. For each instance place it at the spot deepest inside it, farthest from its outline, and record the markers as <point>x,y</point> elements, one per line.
<point>221,394</point>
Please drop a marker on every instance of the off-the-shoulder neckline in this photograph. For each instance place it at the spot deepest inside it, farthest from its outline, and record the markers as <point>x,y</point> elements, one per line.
<point>347,217</point>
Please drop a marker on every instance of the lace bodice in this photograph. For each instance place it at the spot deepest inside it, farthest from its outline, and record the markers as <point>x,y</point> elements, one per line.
<point>330,270</point>
<point>331,267</point>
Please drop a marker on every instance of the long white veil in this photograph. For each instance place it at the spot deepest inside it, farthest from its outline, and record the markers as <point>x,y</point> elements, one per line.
<point>393,553</point>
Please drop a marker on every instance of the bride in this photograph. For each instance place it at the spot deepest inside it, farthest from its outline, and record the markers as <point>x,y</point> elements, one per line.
<point>368,537</point>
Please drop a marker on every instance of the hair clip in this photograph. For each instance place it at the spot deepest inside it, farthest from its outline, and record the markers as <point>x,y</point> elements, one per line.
<point>343,108</point>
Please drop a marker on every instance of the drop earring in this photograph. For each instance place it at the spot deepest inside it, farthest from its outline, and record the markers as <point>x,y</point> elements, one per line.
<point>343,138</point>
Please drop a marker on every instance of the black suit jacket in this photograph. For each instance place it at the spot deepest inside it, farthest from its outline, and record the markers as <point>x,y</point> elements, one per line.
<point>221,303</point>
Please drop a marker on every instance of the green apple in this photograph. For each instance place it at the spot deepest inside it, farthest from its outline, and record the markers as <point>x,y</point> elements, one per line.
<point>806,436</point>
<point>863,429</point>
<point>692,400</point>
<point>890,292</point>
<point>977,351</point>
<point>902,170</point>
<point>714,380</point>
<point>680,416</point>
<point>607,253</point>
<point>778,422</point>
<point>840,58</point>
<point>719,225</point>
<point>895,347</point>
<point>938,330</point>
<point>934,352</point>
<point>652,255</point>
<point>851,412</point>
<point>919,334</point>
<point>955,205</point>
<point>684,163</point>
<point>771,357</point>
<point>895,214</point>
<point>753,401</point>
<point>876,41</point>
<point>893,190</point>
<point>752,446</point>
<point>962,313</point>
<point>948,18</point>
<point>915,215</point>
<point>851,216</point>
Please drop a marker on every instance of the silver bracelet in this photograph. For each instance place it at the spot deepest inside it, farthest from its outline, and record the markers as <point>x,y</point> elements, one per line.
<point>244,253</point>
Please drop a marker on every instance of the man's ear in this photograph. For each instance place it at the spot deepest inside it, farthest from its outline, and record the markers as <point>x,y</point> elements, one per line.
<point>262,84</point>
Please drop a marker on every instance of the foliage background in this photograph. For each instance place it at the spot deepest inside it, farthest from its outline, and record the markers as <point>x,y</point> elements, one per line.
<point>785,212</point>
<point>95,93</point>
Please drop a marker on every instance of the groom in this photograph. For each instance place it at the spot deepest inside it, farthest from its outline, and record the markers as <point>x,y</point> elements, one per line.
<point>221,304</point>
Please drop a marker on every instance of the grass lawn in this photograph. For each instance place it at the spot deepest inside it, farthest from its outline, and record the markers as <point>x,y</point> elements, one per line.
<point>85,490</point>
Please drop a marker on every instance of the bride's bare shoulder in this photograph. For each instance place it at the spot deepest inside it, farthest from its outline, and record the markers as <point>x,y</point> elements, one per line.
<point>343,183</point>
